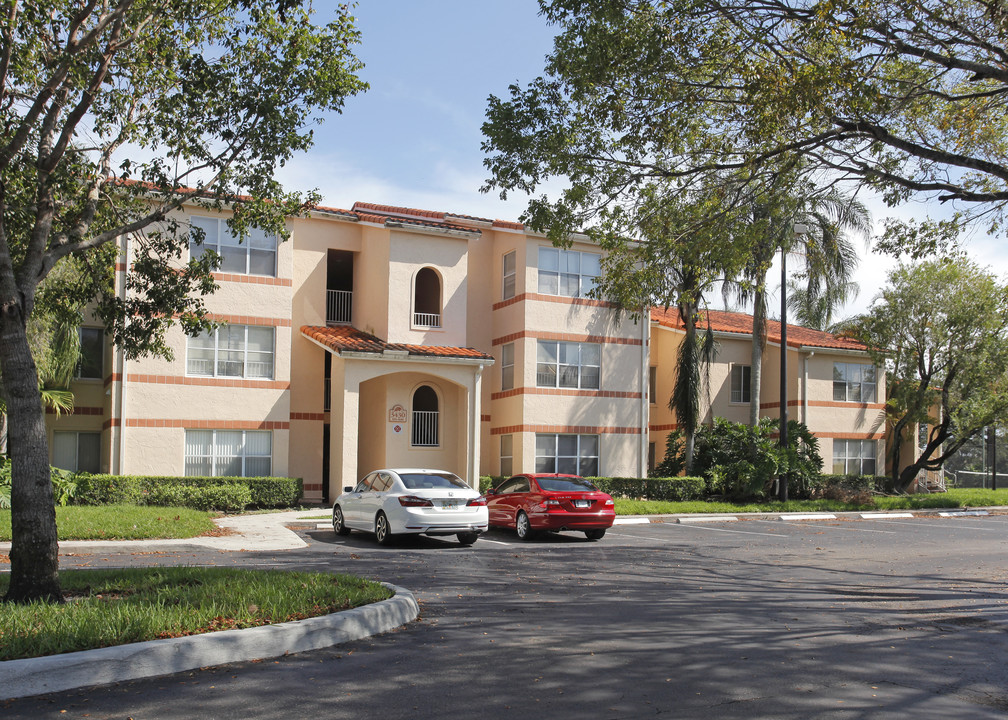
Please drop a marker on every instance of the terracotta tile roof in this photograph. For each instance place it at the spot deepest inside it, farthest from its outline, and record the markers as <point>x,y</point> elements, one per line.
<point>349,339</point>
<point>741,323</point>
<point>508,225</point>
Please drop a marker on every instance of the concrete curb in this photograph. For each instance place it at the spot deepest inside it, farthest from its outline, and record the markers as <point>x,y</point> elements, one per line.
<point>56,673</point>
<point>708,517</point>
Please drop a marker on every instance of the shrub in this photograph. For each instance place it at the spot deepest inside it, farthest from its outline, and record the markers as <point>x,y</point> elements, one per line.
<point>265,492</point>
<point>64,484</point>
<point>669,488</point>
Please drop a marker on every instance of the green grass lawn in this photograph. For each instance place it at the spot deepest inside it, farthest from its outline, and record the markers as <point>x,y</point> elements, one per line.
<point>122,522</point>
<point>115,607</point>
<point>950,499</point>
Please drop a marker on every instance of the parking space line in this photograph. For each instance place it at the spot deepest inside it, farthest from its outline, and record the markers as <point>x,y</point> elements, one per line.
<point>714,529</point>
<point>945,522</point>
<point>830,527</point>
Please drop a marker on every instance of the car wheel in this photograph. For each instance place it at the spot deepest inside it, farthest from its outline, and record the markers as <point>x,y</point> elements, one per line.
<point>522,526</point>
<point>382,530</point>
<point>467,538</point>
<point>595,534</point>
<point>338,523</point>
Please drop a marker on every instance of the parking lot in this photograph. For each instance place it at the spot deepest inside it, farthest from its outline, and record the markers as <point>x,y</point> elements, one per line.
<point>865,618</point>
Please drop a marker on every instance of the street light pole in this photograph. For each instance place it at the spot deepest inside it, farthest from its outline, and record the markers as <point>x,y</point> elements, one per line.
<point>782,480</point>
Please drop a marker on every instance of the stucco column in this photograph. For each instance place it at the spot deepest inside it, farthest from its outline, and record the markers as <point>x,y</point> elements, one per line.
<point>344,431</point>
<point>475,407</point>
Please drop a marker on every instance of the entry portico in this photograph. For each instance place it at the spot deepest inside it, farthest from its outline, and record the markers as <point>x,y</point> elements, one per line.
<point>400,405</point>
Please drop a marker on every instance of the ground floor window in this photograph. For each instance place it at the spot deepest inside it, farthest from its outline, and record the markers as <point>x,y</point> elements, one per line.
<point>569,454</point>
<point>854,457</point>
<point>507,456</point>
<point>77,451</point>
<point>228,453</point>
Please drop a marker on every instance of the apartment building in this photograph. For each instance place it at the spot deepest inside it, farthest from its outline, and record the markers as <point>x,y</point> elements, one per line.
<point>384,336</point>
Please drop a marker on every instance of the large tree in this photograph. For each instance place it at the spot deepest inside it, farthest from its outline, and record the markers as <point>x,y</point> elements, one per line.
<point>114,115</point>
<point>940,328</point>
<point>906,96</point>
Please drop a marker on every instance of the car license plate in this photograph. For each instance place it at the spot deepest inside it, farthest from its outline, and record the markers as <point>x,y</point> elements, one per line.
<point>582,503</point>
<point>449,504</point>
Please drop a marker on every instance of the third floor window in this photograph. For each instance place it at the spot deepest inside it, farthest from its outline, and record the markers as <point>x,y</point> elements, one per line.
<point>255,254</point>
<point>567,272</point>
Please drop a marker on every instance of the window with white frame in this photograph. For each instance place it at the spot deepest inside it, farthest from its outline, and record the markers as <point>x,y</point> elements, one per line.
<point>508,277</point>
<point>507,366</point>
<point>567,454</point>
<point>568,364</point>
<point>77,451</point>
<point>255,254</point>
<point>91,364</point>
<point>425,431</point>
<point>567,272</point>
<point>232,351</point>
<point>228,453</point>
<point>854,382</point>
<point>507,455</point>
<point>854,457</point>
<point>741,383</point>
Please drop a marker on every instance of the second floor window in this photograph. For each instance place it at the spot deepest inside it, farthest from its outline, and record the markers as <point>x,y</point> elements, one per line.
<point>568,365</point>
<point>92,349</point>
<point>255,254</point>
<point>853,382</point>
<point>507,366</point>
<point>567,272</point>
<point>244,351</point>
<point>741,380</point>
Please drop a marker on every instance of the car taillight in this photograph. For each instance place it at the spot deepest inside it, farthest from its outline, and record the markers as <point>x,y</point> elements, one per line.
<point>414,501</point>
<point>548,503</point>
<point>609,502</point>
<point>477,502</point>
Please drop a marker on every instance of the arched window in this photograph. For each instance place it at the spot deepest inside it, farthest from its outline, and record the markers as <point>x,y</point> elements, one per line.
<point>425,417</point>
<point>427,299</point>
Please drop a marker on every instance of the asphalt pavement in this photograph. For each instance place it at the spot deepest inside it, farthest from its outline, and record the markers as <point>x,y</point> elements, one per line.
<point>758,616</point>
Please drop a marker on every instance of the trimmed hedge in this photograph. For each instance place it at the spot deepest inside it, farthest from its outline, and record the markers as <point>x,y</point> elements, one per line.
<point>201,493</point>
<point>673,488</point>
<point>826,484</point>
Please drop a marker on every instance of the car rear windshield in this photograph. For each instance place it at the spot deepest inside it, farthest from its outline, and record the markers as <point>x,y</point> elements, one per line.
<point>422,481</point>
<point>565,484</point>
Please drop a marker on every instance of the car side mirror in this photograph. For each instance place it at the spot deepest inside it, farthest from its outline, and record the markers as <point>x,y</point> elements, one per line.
<point>348,488</point>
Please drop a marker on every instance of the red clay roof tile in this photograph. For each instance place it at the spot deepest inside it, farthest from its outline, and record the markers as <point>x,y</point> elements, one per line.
<point>346,338</point>
<point>741,323</point>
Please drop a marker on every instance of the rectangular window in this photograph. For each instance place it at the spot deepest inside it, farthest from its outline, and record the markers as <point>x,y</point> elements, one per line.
<point>854,457</point>
<point>508,282</point>
<point>567,454</point>
<point>77,451</point>
<point>228,453</point>
<point>507,366</point>
<point>650,457</point>
<point>567,272</point>
<point>232,351</point>
<point>255,254</point>
<point>853,382</point>
<point>652,384</point>
<point>507,455</point>
<point>568,365</point>
<point>92,353</point>
<point>741,379</point>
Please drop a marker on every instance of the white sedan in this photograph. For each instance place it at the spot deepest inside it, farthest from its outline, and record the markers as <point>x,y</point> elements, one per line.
<point>411,501</point>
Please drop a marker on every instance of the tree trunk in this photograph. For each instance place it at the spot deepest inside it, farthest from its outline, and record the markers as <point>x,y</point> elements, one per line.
<point>759,336</point>
<point>34,553</point>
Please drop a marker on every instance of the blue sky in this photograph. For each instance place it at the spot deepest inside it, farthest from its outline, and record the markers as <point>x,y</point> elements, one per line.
<point>414,138</point>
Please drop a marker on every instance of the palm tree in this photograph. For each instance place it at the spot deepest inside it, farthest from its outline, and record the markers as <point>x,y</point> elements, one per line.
<point>829,258</point>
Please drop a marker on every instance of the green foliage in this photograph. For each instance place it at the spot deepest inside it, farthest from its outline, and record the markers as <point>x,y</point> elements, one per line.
<point>220,493</point>
<point>940,328</point>
<point>740,461</point>
<point>5,482</point>
<point>653,488</point>
<point>123,522</point>
<point>64,484</point>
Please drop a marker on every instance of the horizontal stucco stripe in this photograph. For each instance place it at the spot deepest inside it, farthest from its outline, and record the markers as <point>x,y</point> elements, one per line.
<point>565,392</point>
<point>559,299</point>
<point>579,429</point>
<point>565,337</point>
<point>209,381</point>
<point>208,424</point>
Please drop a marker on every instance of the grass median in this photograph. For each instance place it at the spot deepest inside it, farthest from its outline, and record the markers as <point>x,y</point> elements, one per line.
<point>115,607</point>
<point>960,498</point>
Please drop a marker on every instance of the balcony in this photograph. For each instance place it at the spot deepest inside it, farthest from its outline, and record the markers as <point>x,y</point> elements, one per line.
<point>338,306</point>
<point>427,320</point>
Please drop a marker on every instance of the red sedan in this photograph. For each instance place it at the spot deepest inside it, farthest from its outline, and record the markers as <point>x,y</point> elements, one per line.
<point>529,503</point>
